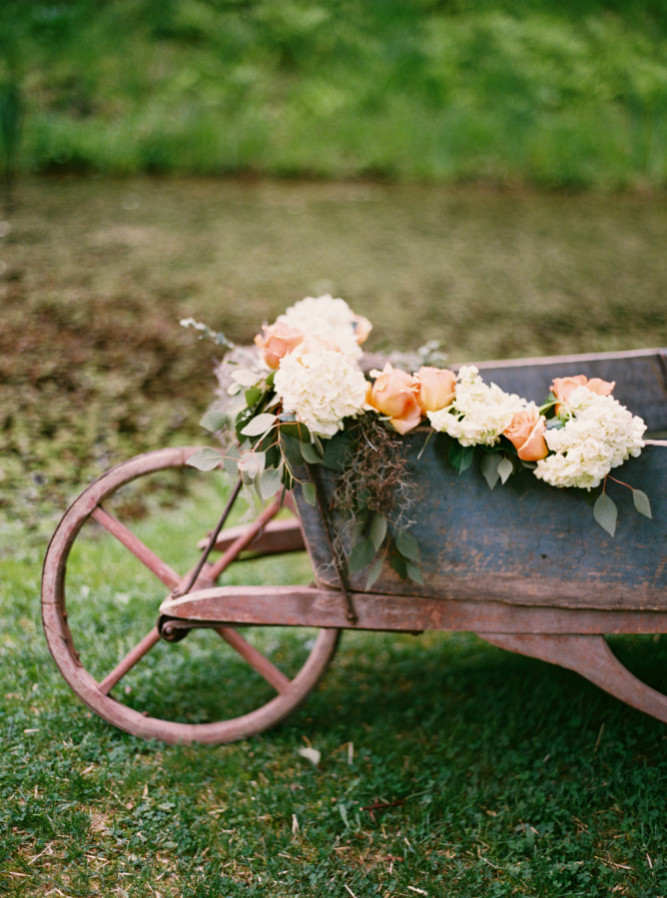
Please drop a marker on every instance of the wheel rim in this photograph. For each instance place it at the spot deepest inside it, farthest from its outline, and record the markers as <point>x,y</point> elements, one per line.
<point>58,600</point>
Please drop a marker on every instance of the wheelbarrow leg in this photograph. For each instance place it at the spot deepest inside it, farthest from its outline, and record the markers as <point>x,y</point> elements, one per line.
<point>590,656</point>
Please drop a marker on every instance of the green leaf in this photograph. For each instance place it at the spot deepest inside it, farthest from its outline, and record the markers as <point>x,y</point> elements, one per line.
<point>414,572</point>
<point>378,530</point>
<point>213,420</point>
<point>308,493</point>
<point>374,572</point>
<point>206,459</point>
<point>270,482</point>
<point>291,448</point>
<point>259,425</point>
<point>605,513</point>
<point>362,554</point>
<point>408,546</point>
<point>642,503</point>
<point>461,456</point>
<point>505,468</point>
<point>489,468</point>
<point>336,450</point>
<point>310,453</point>
<point>297,431</point>
<point>253,395</point>
<point>399,565</point>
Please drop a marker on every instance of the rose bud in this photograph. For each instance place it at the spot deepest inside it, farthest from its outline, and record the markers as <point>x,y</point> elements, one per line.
<point>362,328</point>
<point>277,341</point>
<point>394,394</point>
<point>437,387</point>
<point>526,433</point>
<point>563,387</point>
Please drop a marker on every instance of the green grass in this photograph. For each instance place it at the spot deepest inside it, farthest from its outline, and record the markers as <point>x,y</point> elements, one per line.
<point>448,768</point>
<point>570,95</point>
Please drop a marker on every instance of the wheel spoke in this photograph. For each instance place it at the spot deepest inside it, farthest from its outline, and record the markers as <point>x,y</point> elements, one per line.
<point>147,557</point>
<point>247,537</point>
<point>265,668</point>
<point>128,662</point>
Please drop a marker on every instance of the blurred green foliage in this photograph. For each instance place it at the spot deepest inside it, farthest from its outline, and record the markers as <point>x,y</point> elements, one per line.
<point>564,94</point>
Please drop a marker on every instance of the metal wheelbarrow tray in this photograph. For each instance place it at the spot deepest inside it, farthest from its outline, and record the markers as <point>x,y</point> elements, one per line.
<point>524,567</point>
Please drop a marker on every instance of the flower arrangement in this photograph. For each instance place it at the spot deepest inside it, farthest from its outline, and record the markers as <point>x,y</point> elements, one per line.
<point>302,399</point>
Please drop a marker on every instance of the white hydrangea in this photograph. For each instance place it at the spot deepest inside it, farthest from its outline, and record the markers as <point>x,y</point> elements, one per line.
<point>321,388</point>
<point>479,413</point>
<point>328,318</point>
<point>600,435</point>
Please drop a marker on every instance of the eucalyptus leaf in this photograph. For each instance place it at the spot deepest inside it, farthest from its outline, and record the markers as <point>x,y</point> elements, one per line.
<point>374,572</point>
<point>253,395</point>
<point>414,572</point>
<point>399,564</point>
<point>362,554</point>
<point>259,425</point>
<point>408,546</point>
<point>310,453</point>
<point>336,450</point>
<point>378,530</point>
<point>213,420</point>
<point>489,468</point>
<point>505,468</point>
<point>308,492</point>
<point>252,463</point>
<point>291,448</point>
<point>605,513</point>
<point>270,482</point>
<point>206,459</point>
<point>297,431</point>
<point>230,462</point>
<point>460,456</point>
<point>642,503</point>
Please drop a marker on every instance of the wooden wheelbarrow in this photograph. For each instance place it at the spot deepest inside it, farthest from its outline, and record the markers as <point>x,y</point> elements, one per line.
<point>524,567</point>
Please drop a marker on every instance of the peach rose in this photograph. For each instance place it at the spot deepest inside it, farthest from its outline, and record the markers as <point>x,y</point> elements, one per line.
<point>277,341</point>
<point>563,387</point>
<point>362,328</point>
<point>437,387</point>
<point>394,394</point>
<point>526,433</point>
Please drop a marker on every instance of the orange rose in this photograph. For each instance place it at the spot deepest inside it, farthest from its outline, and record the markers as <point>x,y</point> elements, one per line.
<point>563,387</point>
<point>277,341</point>
<point>437,387</point>
<point>362,328</point>
<point>526,433</point>
<point>394,394</point>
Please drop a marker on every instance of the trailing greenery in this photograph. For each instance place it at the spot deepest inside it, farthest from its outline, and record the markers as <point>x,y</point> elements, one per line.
<point>566,94</point>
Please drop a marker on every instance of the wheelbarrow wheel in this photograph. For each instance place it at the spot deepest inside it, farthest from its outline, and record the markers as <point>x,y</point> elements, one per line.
<point>106,640</point>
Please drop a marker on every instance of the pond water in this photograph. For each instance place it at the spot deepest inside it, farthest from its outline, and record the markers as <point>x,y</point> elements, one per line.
<point>95,276</point>
<point>490,274</point>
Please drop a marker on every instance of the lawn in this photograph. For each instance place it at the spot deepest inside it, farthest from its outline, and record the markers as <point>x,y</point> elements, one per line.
<point>446,767</point>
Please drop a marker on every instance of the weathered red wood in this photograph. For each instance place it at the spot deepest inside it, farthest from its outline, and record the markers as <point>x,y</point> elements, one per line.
<point>257,661</point>
<point>591,657</point>
<point>133,657</point>
<point>318,607</point>
<point>145,555</point>
<point>62,642</point>
<point>244,539</point>
<point>277,538</point>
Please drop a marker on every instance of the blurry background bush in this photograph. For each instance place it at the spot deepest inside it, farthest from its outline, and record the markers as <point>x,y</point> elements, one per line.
<point>570,93</point>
